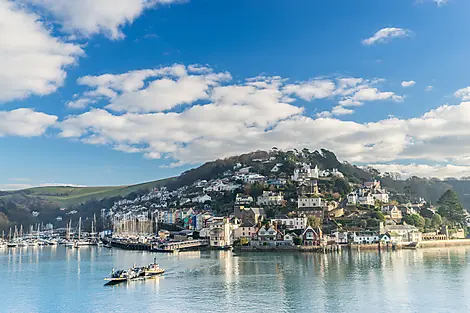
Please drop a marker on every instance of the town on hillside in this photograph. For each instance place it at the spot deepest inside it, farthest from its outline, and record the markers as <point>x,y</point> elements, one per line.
<point>276,202</point>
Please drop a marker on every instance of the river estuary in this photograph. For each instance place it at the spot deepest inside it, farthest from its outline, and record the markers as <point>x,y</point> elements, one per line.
<point>59,279</point>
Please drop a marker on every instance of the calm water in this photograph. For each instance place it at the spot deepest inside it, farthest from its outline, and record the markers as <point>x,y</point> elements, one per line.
<point>59,279</point>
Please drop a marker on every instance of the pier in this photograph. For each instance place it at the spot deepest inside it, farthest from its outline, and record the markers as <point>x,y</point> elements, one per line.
<point>180,245</point>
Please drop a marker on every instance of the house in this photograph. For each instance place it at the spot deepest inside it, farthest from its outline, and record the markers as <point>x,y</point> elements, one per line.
<point>202,199</point>
<point>392,211</point>
<point>384,239</point>
<point>290,223</point>
<point>244,170</point>
<point>220,232</point>
<point>310,202</point>
<point>268,233</point>
<point>312,237</point>
<point>353,198</point>
<point>365,237</point>
<point>246,229</point>
<point>401,233</point>
<point>341,237</point>
<point>254,215</point>
<point>270,198</point>
<point>242,199</point>
<point>308,188</point>
<point>336,173</point>
<point>305,172</point>
<point>276,168</point>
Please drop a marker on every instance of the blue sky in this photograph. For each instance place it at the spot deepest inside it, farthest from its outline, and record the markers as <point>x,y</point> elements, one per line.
<point>94,93</point>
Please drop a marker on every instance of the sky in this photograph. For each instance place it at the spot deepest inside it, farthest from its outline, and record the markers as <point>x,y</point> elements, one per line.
<point>116,92</point>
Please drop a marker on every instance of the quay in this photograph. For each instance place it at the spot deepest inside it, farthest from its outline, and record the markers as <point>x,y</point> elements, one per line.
<point>166,247</point>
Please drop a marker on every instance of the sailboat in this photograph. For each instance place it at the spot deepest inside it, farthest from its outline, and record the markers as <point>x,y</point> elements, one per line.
<point>78,243</point>
<point>68,237</point>
<point>11,243</point>
<point>93,240</point>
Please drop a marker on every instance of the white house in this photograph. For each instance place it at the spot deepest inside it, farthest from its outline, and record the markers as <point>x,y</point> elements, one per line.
<point>291,223</point>
<point>220,232</point>
<point>242,199</point>
<point>276,168</point>
<point>270,198</point>
<point>365,237</point>
<point>353,198</point>
<point>310,202</point>
<point>305,172</point>
<point>202,199</point>
<point>402,233</point>
<point>244,170</point>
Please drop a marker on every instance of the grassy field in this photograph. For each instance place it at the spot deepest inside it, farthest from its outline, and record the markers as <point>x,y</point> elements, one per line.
<point>67,196</point>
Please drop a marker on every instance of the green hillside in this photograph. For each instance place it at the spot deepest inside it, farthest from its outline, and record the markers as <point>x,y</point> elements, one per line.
<point>68,196</point>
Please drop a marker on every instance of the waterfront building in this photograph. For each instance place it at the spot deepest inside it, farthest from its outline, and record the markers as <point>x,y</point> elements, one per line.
<point>311,236</point>
<point>365,237</point>
<point>290,223</point>
<point>401,233</point>
<point>220,232</point>
<point>246,230</point>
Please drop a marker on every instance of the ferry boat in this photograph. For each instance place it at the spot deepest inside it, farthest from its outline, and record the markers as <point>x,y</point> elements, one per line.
<point>120,277</point>
<point>153,269</point>
<point>134,273</point>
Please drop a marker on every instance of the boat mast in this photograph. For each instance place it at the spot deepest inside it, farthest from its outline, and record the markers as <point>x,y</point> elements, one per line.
<point>9,235</point>
<point>79,227</point>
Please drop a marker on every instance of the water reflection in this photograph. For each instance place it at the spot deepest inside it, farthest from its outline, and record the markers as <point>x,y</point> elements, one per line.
<point>59,278</point>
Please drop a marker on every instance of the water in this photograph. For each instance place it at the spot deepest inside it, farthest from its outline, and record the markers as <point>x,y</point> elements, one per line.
<point>59,279</point>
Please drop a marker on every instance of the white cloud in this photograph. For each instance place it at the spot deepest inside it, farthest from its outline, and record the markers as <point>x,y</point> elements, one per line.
<point>386,34</point>
<point>441,2</point>
<point>463,94</point>
<point>428,88</point>
<point>32,61</point>
<point>424,170</point>
<point>369,94</point>
<point>80,103</point>
<point>25,123</point>
<point>409,83</point>
<point>315,89</point>
<point>224,118</point>
<point>90,17</point>
<point>339,110</point>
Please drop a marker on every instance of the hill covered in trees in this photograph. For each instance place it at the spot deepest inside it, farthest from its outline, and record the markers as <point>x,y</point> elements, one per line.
<point>18,206</point>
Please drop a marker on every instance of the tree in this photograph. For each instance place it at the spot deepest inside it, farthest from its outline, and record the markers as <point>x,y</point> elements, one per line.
<point>427,223</point>
<point>363,223</point>
<point>342,186</point>
<point>419,221</point>
<point>313,221</point>
<point>409,220</point>
<point>380,216</point>
<point>436,220</point>
<point>451,208</point>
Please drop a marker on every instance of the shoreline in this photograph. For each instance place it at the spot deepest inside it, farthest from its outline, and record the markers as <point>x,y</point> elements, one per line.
<point>355,247</point>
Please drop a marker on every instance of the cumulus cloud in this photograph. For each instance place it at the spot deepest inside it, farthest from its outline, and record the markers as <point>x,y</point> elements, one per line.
<point>387,34</point>
<point>90,17</point>
<point>425,170</point>
<point>25,123</point>
<point>229,118</point>
<point>463,94</point>
<point>32,61</point>
<point>429,88</point>
<point>409,83</point>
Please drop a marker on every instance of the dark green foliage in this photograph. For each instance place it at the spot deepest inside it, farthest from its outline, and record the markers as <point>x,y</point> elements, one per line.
<point>450,207</point>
